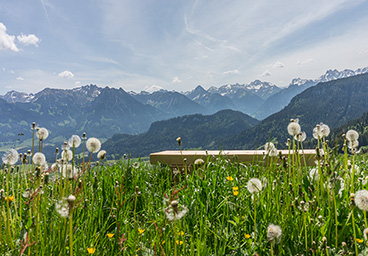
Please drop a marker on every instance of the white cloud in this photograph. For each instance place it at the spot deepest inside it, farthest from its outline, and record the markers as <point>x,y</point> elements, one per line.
<point>66,74</point>
<point>266,73</point>
<point>278,64</point>
<point>77,83</point>
<point>3,69</point>
<point>176,80</point>
<point>11,71</point>
<point>152,88</point>
<point>20,78</point>
<point>28,39</point>
<point>7,41</point>
<point>232,72</point>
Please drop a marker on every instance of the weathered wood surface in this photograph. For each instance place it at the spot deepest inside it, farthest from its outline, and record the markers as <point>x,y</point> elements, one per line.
<point>175,158</point>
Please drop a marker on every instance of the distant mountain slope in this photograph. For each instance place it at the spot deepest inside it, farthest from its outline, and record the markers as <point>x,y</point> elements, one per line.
<point>214,102</point>
<point>360,125</point>
<point>172,103</point>
<point>115,111</point>
<point>196,131</point>
<point>279,100</point>
<point>333,103</point>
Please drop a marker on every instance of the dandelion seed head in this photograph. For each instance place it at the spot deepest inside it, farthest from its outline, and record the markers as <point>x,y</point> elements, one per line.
<point>67,155</point>
<point>274,233</point>
<point>101,154</point>
<point>11,157</point>
<point>74,141</point>
<point>42,133</point>
<point>93,145</point>
<point>62,208</point>
<point>254,185</point>
<point>293,128</point>
<point>300,136</point>
<point>39,158</point>
<point>270,148</point>
<point>324,130</point>
<point>352,135</point>
<point>199,161</point>
<point>68,171</point>
<point>361,200</point>
<point>175,211</point>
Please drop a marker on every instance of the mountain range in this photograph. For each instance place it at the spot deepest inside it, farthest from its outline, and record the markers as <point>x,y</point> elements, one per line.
<point>104,112</point>
<point>334,103</point>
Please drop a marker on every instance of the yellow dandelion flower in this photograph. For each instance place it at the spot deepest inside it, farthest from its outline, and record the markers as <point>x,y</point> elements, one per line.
<point>137,249</point>
<point>181,233</point>
<point>10,199</point>
<point>109,235</point>
<point>229,178</point>
<point>179,242</point>
<point>141,230</point>
<point>163,242</point>
<point>359,240</point>
<point>91,250</point>
<point>235,188</point>
<point>247,236</point>
<point>236,192</point>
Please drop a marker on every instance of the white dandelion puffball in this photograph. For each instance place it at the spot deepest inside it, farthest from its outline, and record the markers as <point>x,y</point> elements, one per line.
<point>269,146</point>
<point>300,136</point>
<point>74,141</point>
<point>352,135</point>
<point>42,133</point>
<point>314,174</point>
<point>293,128</point>
<point>62,208</point>
<point>361,199</point>
<point>199,161</point>
<point>175,211</point>
<point>353,144</point>
<point>317,132</point>
<point>93,145</point>
<point>101,154</point>
<point>274,232</point>
<point>39,158</point>
<point>68,171</point>
<point>324,129</point>
<point>254,185</point>
<point>10,157</point>
<point>67,155</point>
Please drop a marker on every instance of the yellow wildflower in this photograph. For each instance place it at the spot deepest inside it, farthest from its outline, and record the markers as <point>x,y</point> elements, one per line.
<point>235,188</point>
<point>141,230</point>
<point>247,236</point>
<point>163,242</point>
<point>359,240</point>
<point>179,242</point>
<point>181,233</point>
<point>91,250</point>
<point>236,192</point>
<point>109,235</point>
<point>229,178</point>
<point>10,199</point>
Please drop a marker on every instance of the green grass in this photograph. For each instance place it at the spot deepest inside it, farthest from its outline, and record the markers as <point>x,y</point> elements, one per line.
<point>130,200</point>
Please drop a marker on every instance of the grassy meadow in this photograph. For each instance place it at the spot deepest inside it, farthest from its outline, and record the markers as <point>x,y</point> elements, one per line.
<point>73,206</point>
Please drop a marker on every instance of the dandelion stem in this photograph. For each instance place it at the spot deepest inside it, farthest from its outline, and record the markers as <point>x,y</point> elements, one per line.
<point>353,223</point>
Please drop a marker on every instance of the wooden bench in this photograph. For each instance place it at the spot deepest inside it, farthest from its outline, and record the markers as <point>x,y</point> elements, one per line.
<point>175,158</point>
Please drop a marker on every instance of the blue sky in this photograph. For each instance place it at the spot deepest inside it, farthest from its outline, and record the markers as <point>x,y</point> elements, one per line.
<point>176,44</point>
